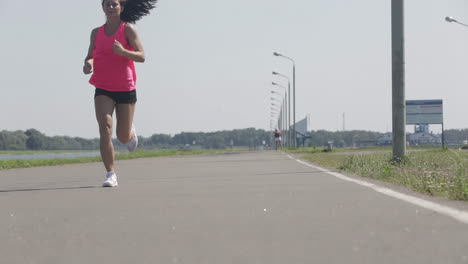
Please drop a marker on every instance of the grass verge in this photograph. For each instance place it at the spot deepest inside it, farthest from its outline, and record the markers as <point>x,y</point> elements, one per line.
<point>435,172</point>
<point>15,164</point>
<point>35,152</point>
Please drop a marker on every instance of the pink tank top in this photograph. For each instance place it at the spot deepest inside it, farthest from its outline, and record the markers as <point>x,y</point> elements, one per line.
<point>110,71</point>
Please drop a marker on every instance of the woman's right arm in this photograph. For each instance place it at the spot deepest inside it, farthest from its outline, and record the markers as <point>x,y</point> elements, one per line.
<point>88,62</point>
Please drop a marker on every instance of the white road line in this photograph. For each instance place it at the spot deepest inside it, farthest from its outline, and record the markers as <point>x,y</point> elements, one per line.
<point>457,214</point>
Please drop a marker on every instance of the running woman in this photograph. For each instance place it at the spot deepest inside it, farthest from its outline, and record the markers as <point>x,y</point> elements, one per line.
<point>113,49</point>
<point>278,140</point>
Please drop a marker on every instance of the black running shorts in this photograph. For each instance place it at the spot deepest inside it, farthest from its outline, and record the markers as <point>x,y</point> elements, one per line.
<point>129,97</point>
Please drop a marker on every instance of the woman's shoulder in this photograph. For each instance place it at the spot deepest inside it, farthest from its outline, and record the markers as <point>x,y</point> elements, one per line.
<point>96,29</point>
<point>129,28</point>
<point>94,32</point>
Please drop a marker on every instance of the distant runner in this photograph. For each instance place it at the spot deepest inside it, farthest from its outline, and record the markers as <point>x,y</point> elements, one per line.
<point>278,139</point>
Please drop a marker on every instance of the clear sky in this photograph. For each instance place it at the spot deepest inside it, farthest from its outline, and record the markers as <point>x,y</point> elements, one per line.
<point>208,63</point>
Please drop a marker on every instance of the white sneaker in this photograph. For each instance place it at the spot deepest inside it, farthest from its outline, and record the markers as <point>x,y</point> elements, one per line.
<point>132,144</point>
<point>111,180</point>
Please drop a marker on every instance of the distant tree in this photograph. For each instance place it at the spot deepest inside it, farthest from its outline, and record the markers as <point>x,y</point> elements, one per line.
<point>12,140</point>
<point>215,141</point>
<point>456,136</point>
<point>36,140</point>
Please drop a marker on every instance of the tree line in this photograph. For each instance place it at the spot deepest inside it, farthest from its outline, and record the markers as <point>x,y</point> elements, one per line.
<point>33,139</point>
<point>340,138</point>
<point>453,137</point>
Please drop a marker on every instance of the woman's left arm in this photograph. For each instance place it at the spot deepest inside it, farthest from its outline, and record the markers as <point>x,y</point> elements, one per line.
<point>138,54</point>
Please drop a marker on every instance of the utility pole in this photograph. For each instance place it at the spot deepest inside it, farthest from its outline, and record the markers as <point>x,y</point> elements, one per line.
<point>398,81</point>
<point>294,102</point>
<point>344,122</point>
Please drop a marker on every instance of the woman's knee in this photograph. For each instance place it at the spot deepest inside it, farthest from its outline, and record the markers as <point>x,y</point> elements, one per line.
<point>124,136</point>
<point>105,126</point>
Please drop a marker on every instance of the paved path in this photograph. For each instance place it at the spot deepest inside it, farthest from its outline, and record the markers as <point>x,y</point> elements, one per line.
<point>259,207</point>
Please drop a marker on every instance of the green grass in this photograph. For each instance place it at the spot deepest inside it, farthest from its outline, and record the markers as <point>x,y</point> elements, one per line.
<point>324,149</point>
<point>14,164</point>
<point>33,152</point>
<point>437,172</point>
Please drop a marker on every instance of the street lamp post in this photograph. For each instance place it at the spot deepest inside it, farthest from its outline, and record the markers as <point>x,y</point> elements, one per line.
<point>287,110</point>
<point>279,112</point>
<point>289,101</point>
<point>294,92</point>
<point>282,113</point>
<point>451,19</point>
<point>283,107</point>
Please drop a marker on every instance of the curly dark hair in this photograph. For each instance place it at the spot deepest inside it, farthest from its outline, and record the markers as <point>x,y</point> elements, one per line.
<point>134,10</point>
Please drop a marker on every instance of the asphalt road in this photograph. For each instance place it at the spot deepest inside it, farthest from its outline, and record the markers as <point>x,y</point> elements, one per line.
<point>257,207</point>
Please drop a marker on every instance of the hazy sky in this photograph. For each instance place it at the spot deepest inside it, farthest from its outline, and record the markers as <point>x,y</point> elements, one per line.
<point>208,63</point>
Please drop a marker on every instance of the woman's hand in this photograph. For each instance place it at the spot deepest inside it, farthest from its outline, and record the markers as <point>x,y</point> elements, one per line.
<point>87,67</point>
<point>118,48</point>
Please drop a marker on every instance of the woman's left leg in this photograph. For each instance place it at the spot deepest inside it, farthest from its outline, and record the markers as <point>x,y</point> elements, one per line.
<point>124,116</point>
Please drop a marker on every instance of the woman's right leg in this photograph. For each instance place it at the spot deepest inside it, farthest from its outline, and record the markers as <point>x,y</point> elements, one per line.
<point>105,106</point>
